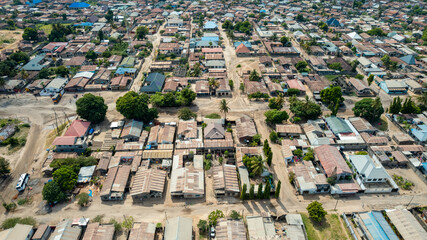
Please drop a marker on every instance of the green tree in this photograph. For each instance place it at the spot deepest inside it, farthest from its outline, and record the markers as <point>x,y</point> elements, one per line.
<point>259,194</point>
<point>62,71</point>
<point>231,84</point>
<point>44,73</point>
<point>243,193</point>
<point>285,41</point>
<point>141,32</point>
<point>300,18</point>
<point>186,97</point>
<point>254,76</point>
<point>252,192</point>
<point>316,211</point>
<point>203,226</point>
<point>59,32</point>
<point>409,107</point>
<point>186,114</point>
<point>275,116</point>
<point>298,152</point>
<point>333,97</point>
<point>235,215</point>
<point>214,216</point>
<point>20,57</point>
<point>293,92</point>
<point>309,156</point>
<point>335,66</point>
<point>224,108</point>
<point>83,199</point>
<point>376,32</point>
<point>301,66</point>
<point>135,106</point>
<point>65,177</point>
<point>91,55</point>
<point>30,34</point>
<point>4,166</point>
<point>276,103</point>
<point>305,109</point>
<point>128,223</point>
<point>91,108</point>
<point>257,165</point>
<point>395,106</point>
<point>109,16</point>
<point>274,137</point>
<point>267,191</point>
<point>52,192</point>
<point>64,17</point>
<point>11,222</point>
<point>277,191</point>
<point>422,100</point>
<point>370,79</point>
<point>369,108</point>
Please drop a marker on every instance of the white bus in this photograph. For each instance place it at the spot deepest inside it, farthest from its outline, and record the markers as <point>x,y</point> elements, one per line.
<point>22,182</point>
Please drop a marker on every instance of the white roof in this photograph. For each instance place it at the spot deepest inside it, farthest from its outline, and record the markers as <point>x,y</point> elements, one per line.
<point>84,74</point>
<point>365,165</point>
<point>354,35</point>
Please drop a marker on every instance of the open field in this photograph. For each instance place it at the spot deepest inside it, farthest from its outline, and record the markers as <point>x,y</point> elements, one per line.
<point>331,228</point>
<point>9,39</point>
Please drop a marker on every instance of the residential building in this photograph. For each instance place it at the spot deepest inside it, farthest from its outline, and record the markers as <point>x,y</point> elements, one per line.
<point>115,184</point>
<point>332,162</point>
<point>65,231</point>
<point>96,231</point>
<point>260,227</point>
<point>308,180</point>
<point>225,180</point>
<point>142,231</point>
<point>148,183</point>
<point>227,229</point>
<point>43,232</point>
<point>153,83</point>
<point>74,139</point>
<point>18,232</point>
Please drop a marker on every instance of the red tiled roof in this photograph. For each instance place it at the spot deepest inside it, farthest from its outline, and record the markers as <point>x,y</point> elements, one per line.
<point>64,140</point>
<point>78,128</point>
<point>242,49</point>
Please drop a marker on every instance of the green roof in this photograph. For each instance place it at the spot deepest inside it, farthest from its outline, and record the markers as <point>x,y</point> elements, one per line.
<point>338,125</point>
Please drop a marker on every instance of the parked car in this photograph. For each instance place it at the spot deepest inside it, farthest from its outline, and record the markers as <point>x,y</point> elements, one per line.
<point>22,182</point>
<point>212,232</point>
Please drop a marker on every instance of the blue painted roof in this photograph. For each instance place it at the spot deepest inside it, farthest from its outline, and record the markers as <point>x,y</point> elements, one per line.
<point>83,24</point>
<point>211,39</point>
<point>333,22</point>
<point>34,64</point>
<point>246,43</point>
<point>409,59</point>
<point>210,25</point>
<point>79,5</point>
<point>125,70</point>
<point>155,82</point>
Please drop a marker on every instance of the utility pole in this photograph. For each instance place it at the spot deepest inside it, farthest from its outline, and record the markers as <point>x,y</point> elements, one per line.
<point>68,120</point>
<point>56,120</point>
<point>335,208</point>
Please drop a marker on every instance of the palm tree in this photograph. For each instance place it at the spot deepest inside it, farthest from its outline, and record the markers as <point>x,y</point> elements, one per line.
<point>213,83</point>
<point>223,107</point>
<point>257,165</point>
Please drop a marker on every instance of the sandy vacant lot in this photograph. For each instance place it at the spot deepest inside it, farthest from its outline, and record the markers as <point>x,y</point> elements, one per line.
<point>13,36</point>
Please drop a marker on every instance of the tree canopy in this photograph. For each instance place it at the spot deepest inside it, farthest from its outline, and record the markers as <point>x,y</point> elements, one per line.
<point>305,109</point>
<point>316,211</point>
<point>135,106</point>
<point>141,32</point>
<point>275,116</point>
<point>369,108</point>
<point>91,108</point>
<point>186,114</point>
<point>52,192</point>
<point>4,166</point>
<point>332,96</point>
<point>59,32</point>
<point>30,34</point>
<point>65,177</point>
<point>254,76</point>
<point>276,103</point>
<point>173,99</point>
